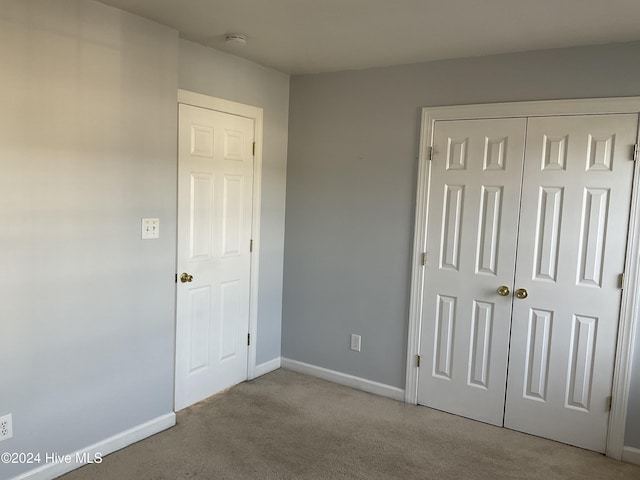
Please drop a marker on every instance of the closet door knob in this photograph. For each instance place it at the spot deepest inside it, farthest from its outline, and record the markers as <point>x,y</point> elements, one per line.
<point>503,291</point>
<point>521,293</point>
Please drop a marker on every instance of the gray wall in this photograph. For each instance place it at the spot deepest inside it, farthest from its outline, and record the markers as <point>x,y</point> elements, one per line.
<point>210,72</point>
<point>87,148</point>
<point>353,143</point>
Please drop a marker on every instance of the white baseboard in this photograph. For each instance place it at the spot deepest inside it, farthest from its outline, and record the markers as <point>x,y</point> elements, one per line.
<point>98,450</point>
<point>344,379</point>
<point>631,455</point>
<point>266,367</point>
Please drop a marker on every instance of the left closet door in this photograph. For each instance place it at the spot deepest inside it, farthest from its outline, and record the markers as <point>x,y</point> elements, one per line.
<point>476,174</point>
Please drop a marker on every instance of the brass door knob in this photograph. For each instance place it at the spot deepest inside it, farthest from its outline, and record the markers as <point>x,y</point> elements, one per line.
<point>521,293</point>
<point>503,291</point>
<point>185,277</point>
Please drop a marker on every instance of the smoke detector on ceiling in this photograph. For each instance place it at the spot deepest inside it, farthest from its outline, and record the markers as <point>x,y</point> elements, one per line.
<point>235,39</point>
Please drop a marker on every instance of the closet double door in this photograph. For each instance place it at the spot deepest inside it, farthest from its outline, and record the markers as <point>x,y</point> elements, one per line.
<point>526,238</point>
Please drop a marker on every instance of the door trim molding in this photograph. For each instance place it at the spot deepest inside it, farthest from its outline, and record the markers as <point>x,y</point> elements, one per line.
<point>255,113</point>
<point>630,307</point>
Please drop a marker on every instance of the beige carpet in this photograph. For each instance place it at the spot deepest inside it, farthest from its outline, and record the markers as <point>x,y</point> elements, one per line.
<point>290,426</point>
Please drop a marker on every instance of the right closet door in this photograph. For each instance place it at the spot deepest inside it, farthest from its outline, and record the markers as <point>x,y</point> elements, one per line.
<point>574,214</point>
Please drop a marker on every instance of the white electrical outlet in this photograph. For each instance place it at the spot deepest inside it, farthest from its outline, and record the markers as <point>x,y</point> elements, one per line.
<point>356,341</point>
<point>6,427</point>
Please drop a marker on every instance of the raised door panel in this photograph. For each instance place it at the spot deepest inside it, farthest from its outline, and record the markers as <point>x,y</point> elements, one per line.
<point>443,344</point>
<point>480,344</point>
<point>547,233</point>
<point>199,334</point>
<point>200,216</point>
<point>230,314</point>
<point>536,371</point>
<point>451,227</point>
<point>232,213</point>
<point>489,229</point>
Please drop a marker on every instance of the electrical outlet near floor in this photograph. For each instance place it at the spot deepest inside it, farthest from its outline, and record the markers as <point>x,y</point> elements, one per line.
<point>356,341</point>
<point>6,427</point>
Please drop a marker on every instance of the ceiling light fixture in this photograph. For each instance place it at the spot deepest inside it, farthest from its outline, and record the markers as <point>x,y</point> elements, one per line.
<point>235,39</point>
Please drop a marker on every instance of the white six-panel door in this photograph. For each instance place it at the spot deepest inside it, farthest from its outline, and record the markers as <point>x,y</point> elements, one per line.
<point>572,218</point>
<point>571,250</point>
<point>476,173</point>
<point>215,174</point>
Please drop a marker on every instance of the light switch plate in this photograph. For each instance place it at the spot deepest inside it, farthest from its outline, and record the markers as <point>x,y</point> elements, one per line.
<point>150,228</point>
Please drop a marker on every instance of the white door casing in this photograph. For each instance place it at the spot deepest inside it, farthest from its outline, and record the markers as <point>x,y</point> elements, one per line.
<point>629,310</point>
<point>471,249</point>
<point>576,197</point>
<point>215,184</point>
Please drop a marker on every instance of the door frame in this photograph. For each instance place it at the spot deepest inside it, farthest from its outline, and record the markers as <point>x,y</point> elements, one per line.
<point>256,114</point>
<point>630,305</point>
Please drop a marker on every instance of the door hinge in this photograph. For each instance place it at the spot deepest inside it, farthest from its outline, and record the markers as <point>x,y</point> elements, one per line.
<point>176,279</point>
<point>248,339</point>
<point>424,258</point>
<point>430,153</point>
<point>254,149</point>
<point>250,245</point>
<point>636,152</point>
<point>621,282</point>
<point>418,361</point>
<point>609,403</point>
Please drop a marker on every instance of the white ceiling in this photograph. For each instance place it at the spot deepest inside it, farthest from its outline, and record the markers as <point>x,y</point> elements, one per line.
<point>308,36</point>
